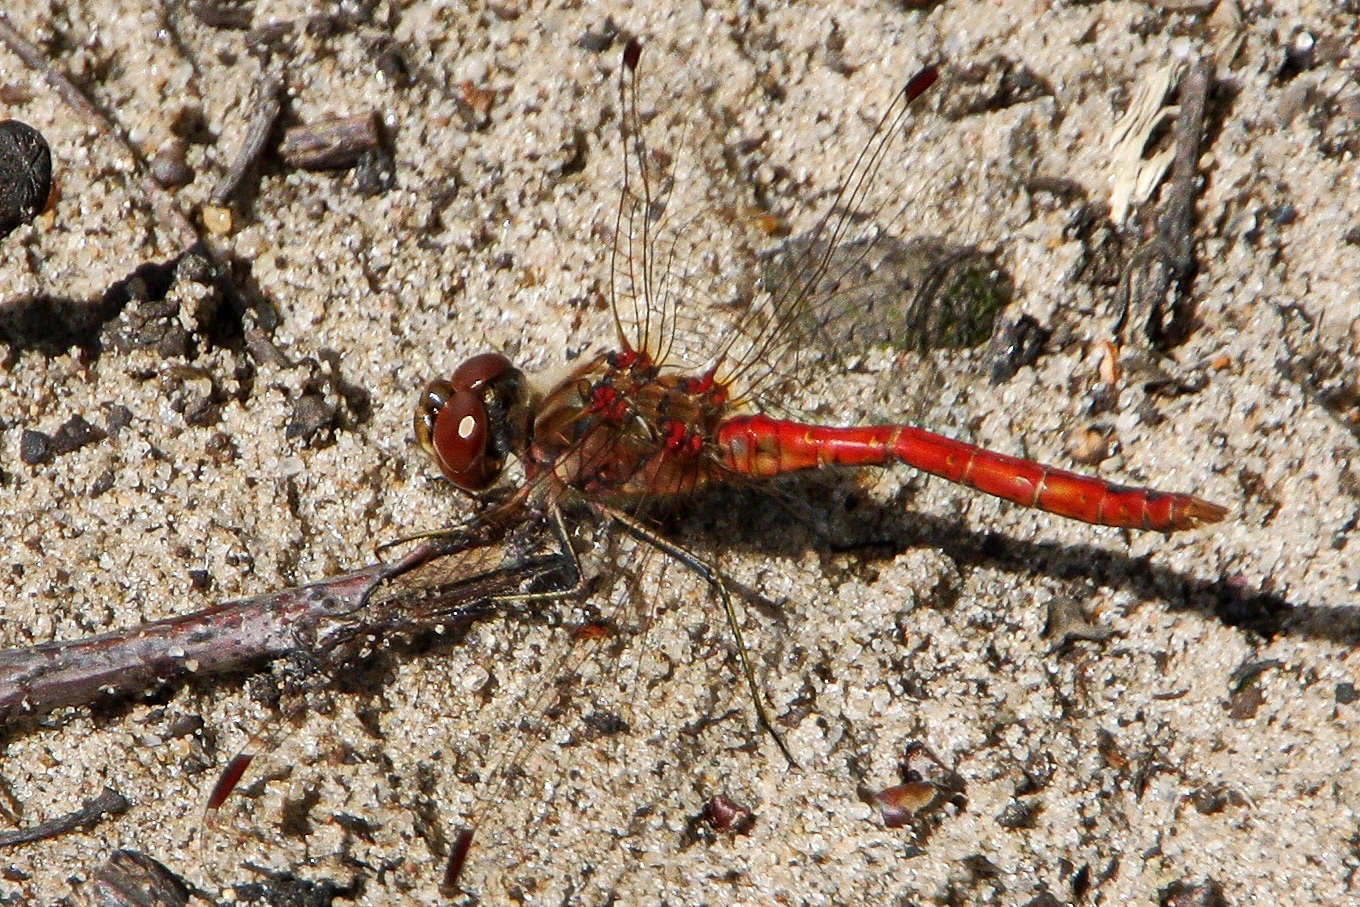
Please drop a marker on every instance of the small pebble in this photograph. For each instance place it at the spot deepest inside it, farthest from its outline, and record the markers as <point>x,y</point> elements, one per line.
<point>170,166</point>
<point>25,174</point>
<point>216,219</point>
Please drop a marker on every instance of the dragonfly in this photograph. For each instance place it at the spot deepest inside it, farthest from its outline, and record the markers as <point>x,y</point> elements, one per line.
<point>642,425</point>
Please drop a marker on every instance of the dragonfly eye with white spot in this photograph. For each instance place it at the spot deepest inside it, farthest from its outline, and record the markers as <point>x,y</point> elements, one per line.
<point>470,424</point>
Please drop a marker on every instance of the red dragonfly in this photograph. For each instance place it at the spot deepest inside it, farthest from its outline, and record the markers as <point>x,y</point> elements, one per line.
<point>630,427</point>
<point>644,424</point>
<point>627,428</point>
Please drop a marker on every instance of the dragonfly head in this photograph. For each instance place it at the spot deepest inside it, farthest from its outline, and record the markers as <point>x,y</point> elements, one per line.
<point>471,423</point>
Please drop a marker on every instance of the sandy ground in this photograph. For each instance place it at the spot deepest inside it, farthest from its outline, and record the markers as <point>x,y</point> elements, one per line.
<point>1207,731</point>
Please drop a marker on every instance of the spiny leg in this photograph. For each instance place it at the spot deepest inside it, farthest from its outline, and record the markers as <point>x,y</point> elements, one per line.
<point>484,530</point>
<point>707,573</point>
<point>568,554</point>
<point>448,540</point>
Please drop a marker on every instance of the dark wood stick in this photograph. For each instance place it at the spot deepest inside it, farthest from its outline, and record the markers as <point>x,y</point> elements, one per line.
<point>453,579</point>
<point>1166,261</point>
<point>106,802</point>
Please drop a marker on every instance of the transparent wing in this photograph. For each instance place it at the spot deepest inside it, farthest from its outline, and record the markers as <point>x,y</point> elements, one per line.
<point>696,284</point>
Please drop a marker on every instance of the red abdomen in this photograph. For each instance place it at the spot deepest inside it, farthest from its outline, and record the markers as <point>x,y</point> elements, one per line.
<point>759,446</point>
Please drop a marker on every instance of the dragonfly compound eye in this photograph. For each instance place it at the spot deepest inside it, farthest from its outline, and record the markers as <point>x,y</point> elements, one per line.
<point>469,424</point>
<point>432,400</point>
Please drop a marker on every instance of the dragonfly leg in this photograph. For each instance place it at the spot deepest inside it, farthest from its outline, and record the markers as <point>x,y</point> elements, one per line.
<point>711,576</point>
<point>486,528</point>
<point>568,555</point>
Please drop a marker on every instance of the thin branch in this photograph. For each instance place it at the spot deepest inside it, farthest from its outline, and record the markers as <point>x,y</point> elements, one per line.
<point>107,802</point>
<point>1169,256</point>
<point>267,103</point>
<point>456,578</point>
<point>183,234</point>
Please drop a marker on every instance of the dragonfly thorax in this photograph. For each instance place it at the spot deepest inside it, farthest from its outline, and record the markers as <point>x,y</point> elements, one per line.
<point>622,426</point>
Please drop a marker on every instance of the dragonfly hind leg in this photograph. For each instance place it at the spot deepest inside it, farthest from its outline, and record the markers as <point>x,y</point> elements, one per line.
<point>710,575</point>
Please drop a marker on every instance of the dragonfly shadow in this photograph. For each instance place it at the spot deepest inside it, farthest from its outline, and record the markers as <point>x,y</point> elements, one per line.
<point>834,512</point>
